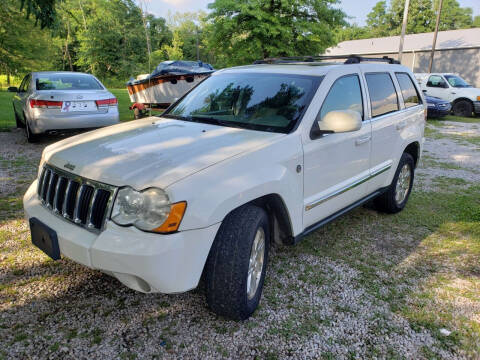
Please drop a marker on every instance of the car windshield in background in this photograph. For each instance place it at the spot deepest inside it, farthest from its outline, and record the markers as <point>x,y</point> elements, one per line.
<point>67,82</point>
<point>457,81</point>
<point>257,101</point>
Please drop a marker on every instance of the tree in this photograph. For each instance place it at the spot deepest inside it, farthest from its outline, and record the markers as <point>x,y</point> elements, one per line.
<point>43,11</point>
<point>453,16</point>
<point>378,20</point>
<point>476,21</point>
<point>23,47</point>
<point>245,30</point>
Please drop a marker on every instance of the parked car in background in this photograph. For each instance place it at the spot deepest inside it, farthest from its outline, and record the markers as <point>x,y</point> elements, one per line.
<point>252,156</point>
<point>49,102</point>
<point>465,99</point>
<point>437,107</point>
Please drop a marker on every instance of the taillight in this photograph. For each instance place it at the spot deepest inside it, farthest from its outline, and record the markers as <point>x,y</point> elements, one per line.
<point>45,104</point>
<point>107,102</point>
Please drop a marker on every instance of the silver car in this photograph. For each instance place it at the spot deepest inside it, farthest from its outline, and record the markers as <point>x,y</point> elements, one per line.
<point>50,102</point>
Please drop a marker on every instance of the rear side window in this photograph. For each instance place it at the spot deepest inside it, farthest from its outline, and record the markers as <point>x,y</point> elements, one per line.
<point>345,94</point>
<point>67,82</point>
<point>409,91</point>
<point>383,97</point>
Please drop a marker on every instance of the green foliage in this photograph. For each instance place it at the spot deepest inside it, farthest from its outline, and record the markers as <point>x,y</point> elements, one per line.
<point>384,20</point>
<point>43,11</point>
<point>245,30</point>
<point>22,45</point>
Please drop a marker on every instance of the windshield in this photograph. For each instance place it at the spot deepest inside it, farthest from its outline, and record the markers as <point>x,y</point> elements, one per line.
<point>67,82</point>
<point>258,101</point>
<point>457,81</point>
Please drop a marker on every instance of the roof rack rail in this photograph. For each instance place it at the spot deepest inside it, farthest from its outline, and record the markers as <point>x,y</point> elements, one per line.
<point>350,59</point>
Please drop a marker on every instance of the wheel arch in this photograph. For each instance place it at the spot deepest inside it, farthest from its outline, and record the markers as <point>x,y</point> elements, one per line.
<point>414,150</point>
<point>280,223</point>
<point>462,99</point>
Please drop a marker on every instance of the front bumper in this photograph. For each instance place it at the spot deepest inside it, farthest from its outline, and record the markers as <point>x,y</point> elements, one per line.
<point>41,123</point>
<point>143,261</point>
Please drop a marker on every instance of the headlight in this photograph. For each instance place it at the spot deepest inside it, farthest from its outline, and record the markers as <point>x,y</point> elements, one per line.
<point>430,105</point>
<point>148,210</point>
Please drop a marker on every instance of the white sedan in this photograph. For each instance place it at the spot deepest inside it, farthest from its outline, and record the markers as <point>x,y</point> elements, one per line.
<point>50,102</point>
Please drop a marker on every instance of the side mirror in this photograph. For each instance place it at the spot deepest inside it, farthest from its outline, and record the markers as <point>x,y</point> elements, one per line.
<point>444,85</point>
<point>339,122</point>
<point>12,89</point>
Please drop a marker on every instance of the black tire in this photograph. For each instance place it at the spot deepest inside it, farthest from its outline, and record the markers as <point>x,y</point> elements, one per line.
<point>18,122</point>
<point>463,108</point>
<point>31,138</point>
<point>227,266</point>
<point>387,202</point>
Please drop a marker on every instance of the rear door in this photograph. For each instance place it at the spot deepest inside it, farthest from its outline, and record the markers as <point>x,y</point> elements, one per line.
<point>21,96</point>
<point>386,119</point>
<point>336,165</point>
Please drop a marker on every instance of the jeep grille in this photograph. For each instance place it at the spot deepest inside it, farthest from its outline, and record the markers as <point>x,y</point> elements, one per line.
<point>76,199</point>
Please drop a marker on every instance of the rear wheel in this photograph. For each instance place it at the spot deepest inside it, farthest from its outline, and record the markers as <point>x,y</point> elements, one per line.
<point>236,265</point>
<point>18,122</point>
<point>396,197</point>
<point>463,108</point>
<point>31,137</point>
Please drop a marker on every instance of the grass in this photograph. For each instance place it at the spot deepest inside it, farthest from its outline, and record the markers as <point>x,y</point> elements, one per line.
<point>7,119</point>
<point>474,119</point>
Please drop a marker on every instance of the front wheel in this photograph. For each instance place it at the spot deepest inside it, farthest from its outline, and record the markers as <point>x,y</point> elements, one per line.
<point>397,194</point>
<point>463,108</point>
<point>236,265</point>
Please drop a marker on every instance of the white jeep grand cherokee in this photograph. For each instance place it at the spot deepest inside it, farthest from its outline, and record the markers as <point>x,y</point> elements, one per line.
<point>251,156</point>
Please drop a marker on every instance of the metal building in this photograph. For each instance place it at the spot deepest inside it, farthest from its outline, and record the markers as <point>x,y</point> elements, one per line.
<point>457,51</point>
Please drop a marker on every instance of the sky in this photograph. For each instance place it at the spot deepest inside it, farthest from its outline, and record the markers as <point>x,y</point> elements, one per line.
<point>356,9</point>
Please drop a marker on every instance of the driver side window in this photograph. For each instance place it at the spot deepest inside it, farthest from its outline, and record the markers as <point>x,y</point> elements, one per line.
<point>436,81</point>
<point>345,94</point>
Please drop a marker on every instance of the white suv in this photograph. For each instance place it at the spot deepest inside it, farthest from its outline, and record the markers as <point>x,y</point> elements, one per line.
<point>251,156</point>
<point>465,99</point>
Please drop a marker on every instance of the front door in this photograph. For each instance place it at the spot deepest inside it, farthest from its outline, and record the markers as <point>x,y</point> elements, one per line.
<point>336,165</point>
<point>437,86</point>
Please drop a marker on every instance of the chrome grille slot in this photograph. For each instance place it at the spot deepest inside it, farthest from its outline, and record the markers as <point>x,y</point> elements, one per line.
<point>82,201</point>
<point>70,199</point>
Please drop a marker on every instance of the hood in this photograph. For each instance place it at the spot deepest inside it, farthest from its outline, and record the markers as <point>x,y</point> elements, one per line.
<point>152,151</point>
<point>435,100</point>
<point>469,92</point>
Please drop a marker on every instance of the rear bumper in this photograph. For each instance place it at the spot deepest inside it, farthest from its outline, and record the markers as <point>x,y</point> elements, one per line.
<point>44,123</point>
<point>143,261</point>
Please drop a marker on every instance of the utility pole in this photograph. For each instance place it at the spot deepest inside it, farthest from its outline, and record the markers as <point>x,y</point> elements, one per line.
<point>198,49</point>
<point>435,36</point>
<point>404,28</point>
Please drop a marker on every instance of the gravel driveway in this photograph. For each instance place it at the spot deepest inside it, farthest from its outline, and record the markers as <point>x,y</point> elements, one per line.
<point>338,294</point>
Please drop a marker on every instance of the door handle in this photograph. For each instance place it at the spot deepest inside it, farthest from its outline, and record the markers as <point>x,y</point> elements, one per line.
<point>362,140</point>
<point>401,125</point>
<point>453,92</point>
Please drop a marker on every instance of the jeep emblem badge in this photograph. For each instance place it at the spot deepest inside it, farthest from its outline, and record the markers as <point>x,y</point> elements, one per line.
<point>69,166</point>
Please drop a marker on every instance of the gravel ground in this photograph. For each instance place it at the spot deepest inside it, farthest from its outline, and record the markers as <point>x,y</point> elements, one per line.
<point>313,306</point>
